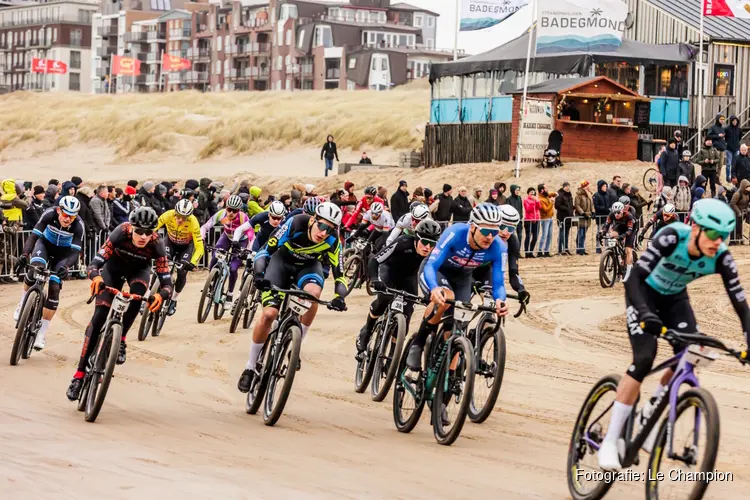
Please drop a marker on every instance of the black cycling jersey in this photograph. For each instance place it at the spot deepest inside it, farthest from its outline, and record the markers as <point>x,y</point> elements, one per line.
<point>624,225</point>
<point>51,231</point>
<point>397,266</point>
<point>263,230</point>
<point>658,222</point>
<point>484,272</point>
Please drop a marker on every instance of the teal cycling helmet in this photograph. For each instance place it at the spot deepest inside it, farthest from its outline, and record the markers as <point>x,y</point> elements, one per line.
<point>713,214</point>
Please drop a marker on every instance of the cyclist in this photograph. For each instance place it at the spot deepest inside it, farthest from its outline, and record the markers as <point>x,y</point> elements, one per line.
<point>396,267</point>
<point>263,224</point>
<point>364,204</point>
<point>620,224</point>
<point>509,219</point>
<point>55,242</point>
<point>308,208</point>
<point>446,273</point>
<point>125,256</point>
<point>656,296</point>
<point>663,217</point>
<point>408,222</point>
<point>293,254</point>
<point>376,225</point>
<point>184,243</point>
<point>230,218</point>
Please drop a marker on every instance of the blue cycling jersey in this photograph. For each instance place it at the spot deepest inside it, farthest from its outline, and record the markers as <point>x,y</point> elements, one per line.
<point>453,254</point>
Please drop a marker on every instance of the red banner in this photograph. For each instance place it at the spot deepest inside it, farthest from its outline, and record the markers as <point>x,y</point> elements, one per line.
<point>724,8</point>
<point>125,66</point>
<point>48,66</point>
<point>174,63</point>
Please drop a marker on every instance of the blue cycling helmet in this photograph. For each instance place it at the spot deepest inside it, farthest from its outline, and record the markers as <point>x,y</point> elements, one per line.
<point>713,214</point>
<point>311,204</point>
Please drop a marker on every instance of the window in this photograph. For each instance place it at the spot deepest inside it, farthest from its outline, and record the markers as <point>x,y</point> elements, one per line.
<point>218,45</point>
<point>332,69</point>
<point>75,38</point>
<point>288,11</point>
<point>430,21</point>
<point>54,35</point>
<point>75,59</point>
<point>384,64</point>
<point>75,81</point>
<point>352,62</point>
<point>350,85</point>
<point>381,17</point>
<point>288,37</point>
<point>723,79</point>
<point>332,85</point>
<point>430,43</point>
<point>418,20</point>
<point>373,17</point>
<point>323,36</point>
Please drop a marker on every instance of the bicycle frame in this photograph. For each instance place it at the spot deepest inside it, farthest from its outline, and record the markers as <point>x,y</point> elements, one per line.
<point>41,278</point>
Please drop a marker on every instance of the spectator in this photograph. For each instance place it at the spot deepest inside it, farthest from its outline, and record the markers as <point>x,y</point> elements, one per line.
<point>400,201</point>
<point>698,190</point>
<point>669,164</point>
<point>638,202</point>
<point>732,136</point>
<point>110,200</point>
<point>584,209</point>
<point>54,182</point>
<point>134,184</point>
<point>686,167</point>
<point>77,182</point>
<point>721,194</point>
<point>494,197</point>
<point>161,193</point>
<point>741,167</point>
<point>253,202</point>
<point>442,207</point>
<point>121,207</point>
<point>84,195</point>
<point>571,112</point>
<point>348,201</point>
<point>146,196</point>
<point>286,199</point>
<point>476,197</point>
<point>383,194</point>
<point>206,205</point>
<point>50,195</point>
<point>515,201</point>
<point>100,209</point>
<point>709,158</point>
<point>11,203</point>
<point>733,188</point>
<point>35,209</point>
<point>531,208</point>
<point>717,135</point>
<point>192,185</point>
<point>428,199</point>
<point>329,152</point>
<point>175,196</point>
<point>418,195</point>
<point>546,213</point>
<point>740,204</point>
<point>680,143</point>
<point>682,197</point>
<point>565,210</point>
<point>461,206</point>
<point>601,208</point>
<point>364,160</point>
<point>68,189</point>
<point>500,186</point>
<point>615,189</point>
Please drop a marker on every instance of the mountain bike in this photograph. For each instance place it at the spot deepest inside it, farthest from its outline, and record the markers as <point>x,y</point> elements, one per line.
<point>612,265</point>
<point>693,407</point>
<point>154,322</point>
<point>216,287</point>
<point>279,358</point>
<point>30,319</point>
<point>447,374</point>
<point>650,180</point>
<point>379,362</point>
<point>101,362</point>
<point>247,302</point>
<point>355,265</point>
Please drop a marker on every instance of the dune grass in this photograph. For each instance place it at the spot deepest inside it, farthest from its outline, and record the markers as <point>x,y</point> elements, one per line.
<point>230,122</point>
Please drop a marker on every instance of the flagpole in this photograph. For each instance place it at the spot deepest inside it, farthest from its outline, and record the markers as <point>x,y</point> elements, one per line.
<point>458,27</point>
<point>111,78</point>
<point>700,82</point>
<point>161,71</point>
<point>525,88</point>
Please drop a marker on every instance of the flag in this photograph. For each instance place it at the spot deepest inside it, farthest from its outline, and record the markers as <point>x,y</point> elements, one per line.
<point>580,25</point>
<point>125,66</point>
<point>48,66</point>
<point>481,14</point>
<point>174,63</point>
<point>727,8</point>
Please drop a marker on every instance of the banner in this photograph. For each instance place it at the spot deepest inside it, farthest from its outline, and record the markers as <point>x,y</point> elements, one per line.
<point>481,14</point>
<point>174,63</point>
<point>125,66</point>
<point>727,8</point>
<point>49,66</point>
<point>536,124</point>
<point>580,25</point>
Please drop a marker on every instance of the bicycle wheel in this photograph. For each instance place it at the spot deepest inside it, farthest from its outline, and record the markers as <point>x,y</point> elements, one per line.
<point>104,366</point>
<point>240,308</point>
<point>258,387</point>
<point>351,271</point>
<point>488,377</point>
<point>250,310</point>
<point>365,366</point>
<point>607,269</point>
<point>160,319</point>
<point>285,360</point>
<point>408,395</point>
<point>650,180</point>
<point>147,322</point>
<point>453,385</point>
<point>26,323</point>
<point>586,431</point>
<point>220,308</point>
<point>387,357</point>
<point>697,406</point>
<point>207,295</point>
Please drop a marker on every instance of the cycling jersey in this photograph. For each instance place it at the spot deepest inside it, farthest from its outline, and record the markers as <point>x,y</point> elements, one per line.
<point>404,225</point>
<point>262,228</point>
<point>362,206</point>
<point>624,225</point>
<point>382,223</point>
<point>183,234</point>
<point>396,266</point>
<point>50,230</point>
<point>296,211</point>
<point>510,262</point>
<point>658,222</point>
<point>230,224</point>
<point>454,255</point>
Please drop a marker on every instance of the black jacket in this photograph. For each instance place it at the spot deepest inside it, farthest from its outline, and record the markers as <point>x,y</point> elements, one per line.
<point>329,151</point>
<point>687,169</point>
<point>206,206</point>
<point>601,200</point>
<point>399,204</point>
<point>669,166</point>
<point>444,208</point>
<point>85,213</point>
<point>733,134</point>
<point>564,204</point>
<point>741,167</point>
<point>146,199</point>
<point>33,213</point>
<point>717,128</point>
<point>363,161</point>
<point>461,209</point>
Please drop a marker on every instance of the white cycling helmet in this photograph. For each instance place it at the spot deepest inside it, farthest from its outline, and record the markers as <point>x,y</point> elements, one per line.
<point>617,207</point>
<point>184,208</point>
<point>486,213</point>
<point>235,202</point>
<point>330,212</point>
<point>509,216</point>
<point>668,209</point>
<point>377,208</point>
<point>420,212</point>
<point>70,205</point>
<point>277,209</point>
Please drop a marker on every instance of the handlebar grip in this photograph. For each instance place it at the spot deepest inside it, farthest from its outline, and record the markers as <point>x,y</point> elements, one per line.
<point>91,299</point>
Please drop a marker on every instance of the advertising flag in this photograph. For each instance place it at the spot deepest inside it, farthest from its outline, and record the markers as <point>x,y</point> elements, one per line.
<point>174,63</point>
<point>481,14</point>
<point>126,66</point>
<point>727,8</point>
<point>50,66</point>
<point>580,25</point>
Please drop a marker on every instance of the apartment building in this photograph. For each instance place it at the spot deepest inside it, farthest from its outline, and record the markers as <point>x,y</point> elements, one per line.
<point>58,30</point>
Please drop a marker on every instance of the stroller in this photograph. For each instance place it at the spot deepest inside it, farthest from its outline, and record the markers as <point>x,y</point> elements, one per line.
<point>551,158</point>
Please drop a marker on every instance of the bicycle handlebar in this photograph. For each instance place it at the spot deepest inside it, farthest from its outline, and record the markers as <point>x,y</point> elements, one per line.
<point>301,293</point>
<point>406,295</point>
<point>673,336</point>
<point>126,295</point>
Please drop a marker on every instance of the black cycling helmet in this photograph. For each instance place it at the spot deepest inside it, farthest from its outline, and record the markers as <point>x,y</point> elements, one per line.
<point>370,191</point>
<point>428,229</point>
<point>143,218</point>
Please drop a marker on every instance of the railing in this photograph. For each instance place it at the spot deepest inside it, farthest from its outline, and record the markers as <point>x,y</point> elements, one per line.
<point>46,19</point>
<point>43,41</point>
<point>180,33</point>
<point>307,69</point>
<point>101,72</point>
<point>250,24</point>
<point>179,53</point>
<point>197,76</point>
<point>153,57</point>
<point>156,35</point>
<point>198,53</point>
<point>352,19</point>
<point>695,140</point>
<point>107,30</point>
<point>135,36</point>
<point>106,50</point>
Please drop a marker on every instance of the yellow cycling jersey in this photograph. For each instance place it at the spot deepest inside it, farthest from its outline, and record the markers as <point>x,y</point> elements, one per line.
<point>183,234</point>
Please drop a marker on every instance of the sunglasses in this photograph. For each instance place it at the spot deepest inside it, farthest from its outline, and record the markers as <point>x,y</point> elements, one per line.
<point>427,242</point>
<point>484,231</point>
<point>509,228</point>
<point>276,218</point>
<point>324,226</point>
<point>143,232</point>
<point>232,210</point>
<point>714,234</point>
<point>68,216</point>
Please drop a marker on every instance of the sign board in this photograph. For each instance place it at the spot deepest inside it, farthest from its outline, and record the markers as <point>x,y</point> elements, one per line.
<point>642,114</point>
<point>536,124</point>
<point>580,25</point>
<point>481,14</point>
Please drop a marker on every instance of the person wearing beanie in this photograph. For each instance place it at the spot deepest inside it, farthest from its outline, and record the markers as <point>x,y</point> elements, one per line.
<point>428,199</point>
<point>400,201</point>
<point>494,197</point>
<point>584,210</point>
<point>515,201</point>
<point>130,191</point>
<point>133,184</point>
<point>77,181</point>
<point>50,195</point>
<point>669,164</point>
<point>565,210</point>
<point>146,197</point>
<point>442,207</point>
<point>476,196</point>
<point>192,184</point>
<point>709,158</point>
<point>53,182</point>
<point>37,206</point>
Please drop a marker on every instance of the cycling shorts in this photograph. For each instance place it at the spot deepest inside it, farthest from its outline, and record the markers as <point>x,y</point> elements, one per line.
<point>282,273</point>
<point>179,253</point>
<point>629,240</point>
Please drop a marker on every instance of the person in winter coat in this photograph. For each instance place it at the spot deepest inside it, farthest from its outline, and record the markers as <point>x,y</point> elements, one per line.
<point>494,197</point>
<point>682,197</point>
<point>718,136</point>
<point>565,211</point>
<point>584,210</point>
<point>329,152</point>
<point>709,158</point>
<point>741,165</point>
<point>50,195</point>
<point>601,208</point>
<point>442,208</point>
<point>476,197</point>
<point>37,206</point>
<point>666,196</point>
<point>253,202</point>
<point>400,201</point>
<point>700,183</point>
<point>638,202</point>
<point>500,187</point>
<point>732,136</point>
<point>428,199</point>
<point>462,206</point>
<point>206,205</point>
<point>120,208</point>
<point>615,190</point>
<point>100,209</point>
<point>531,211</point>
<point>515,201</point>
<point>546,214</point>
<point>11,202</point>
<point>669,164</point>
<point>383,195</point>
<point>84,195</point>
<point>680,143</point>
<point>721,194</point>
<point>686,167</point>
<point>740,203</point>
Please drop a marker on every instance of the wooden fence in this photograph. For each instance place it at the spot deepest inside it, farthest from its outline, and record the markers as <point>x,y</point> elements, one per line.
<point>466,143</point>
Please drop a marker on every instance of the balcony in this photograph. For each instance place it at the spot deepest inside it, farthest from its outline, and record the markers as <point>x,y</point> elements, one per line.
<point>152,79</point>
<point>293,69</point>
<point>179,53</point>
<point>135,36</point>
<point>153,58</point>
<point>107,30</point>
<point>156,36</point>
<point>183,77</point>
<point>180,34</point>
<point>4,48</point>
<point>36,86</point>
<point>199,54</point>
<point>41,42</point>
<point>21,66</point>
<point>262,73</point>
<point>251,24</point>
<point>197,76</point>
<point>203,31</point>
<point>106,51</point>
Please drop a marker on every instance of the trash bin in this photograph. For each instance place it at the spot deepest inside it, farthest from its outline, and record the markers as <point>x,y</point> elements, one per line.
<point>646,150</point>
